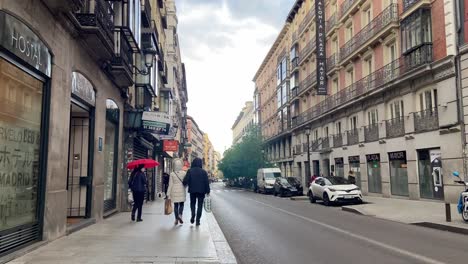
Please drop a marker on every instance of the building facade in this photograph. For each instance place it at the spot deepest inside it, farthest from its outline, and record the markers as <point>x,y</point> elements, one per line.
<point>208,155</point>
<point>370,88</point>
<point>244,121</point>
<point>80,91</point>
<point>196,140</point>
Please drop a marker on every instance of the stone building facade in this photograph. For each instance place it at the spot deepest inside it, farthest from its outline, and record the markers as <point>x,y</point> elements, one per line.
<point>244,121</point>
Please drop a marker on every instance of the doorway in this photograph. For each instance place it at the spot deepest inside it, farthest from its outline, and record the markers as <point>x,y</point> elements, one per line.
<point>316,167</point>
<point>80,163</point>
<point>430,174</point>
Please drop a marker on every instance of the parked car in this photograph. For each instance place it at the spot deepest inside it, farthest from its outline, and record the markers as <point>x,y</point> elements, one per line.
<point>296,183</point>
<point>334,189</point>
<point>283,188</point>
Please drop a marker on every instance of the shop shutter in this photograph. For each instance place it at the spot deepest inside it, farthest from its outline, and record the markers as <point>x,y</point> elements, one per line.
<point>19,238</point>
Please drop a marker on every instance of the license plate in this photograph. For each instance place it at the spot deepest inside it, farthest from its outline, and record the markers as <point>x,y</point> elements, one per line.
<point>348,197</point>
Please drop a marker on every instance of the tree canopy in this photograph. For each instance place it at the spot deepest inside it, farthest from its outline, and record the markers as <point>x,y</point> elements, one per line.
<point>244,158</point>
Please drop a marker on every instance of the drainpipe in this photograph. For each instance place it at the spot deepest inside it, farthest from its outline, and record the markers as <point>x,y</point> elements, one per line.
<point>459,5</point>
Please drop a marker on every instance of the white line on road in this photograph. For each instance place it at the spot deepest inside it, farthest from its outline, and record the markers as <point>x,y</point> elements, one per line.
<point>368,240</point>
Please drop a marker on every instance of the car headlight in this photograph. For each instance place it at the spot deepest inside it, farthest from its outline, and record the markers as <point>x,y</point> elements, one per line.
<point>331,190</point>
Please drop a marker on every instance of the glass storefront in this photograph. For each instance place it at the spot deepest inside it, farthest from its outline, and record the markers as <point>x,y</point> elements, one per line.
<point>110,155</point>
<point>355,169</point>
<point>339,167</point>
<point>398,173</point>
<point>374,173</point>
<point>20,136</point>
<point>430,174</point>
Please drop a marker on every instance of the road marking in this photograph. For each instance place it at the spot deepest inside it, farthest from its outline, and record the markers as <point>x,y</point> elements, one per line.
<point>359,237</point>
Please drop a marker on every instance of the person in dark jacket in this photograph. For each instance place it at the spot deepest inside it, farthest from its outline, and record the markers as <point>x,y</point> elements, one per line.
<point>198,186</point>
<point>165,180</point>
<point>138,183</point>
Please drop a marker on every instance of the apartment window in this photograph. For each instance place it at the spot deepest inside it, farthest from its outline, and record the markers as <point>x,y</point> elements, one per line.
<point>278,75</point>
<point>164,104</point>
<point>335,86</point>
<point>338,127</point>
<point>368,66</point>
<point>416,31</point>
<point>428,100</point>
<point>284,93</point>
<point>373,117</point>
<point>349,31</point>
<point>284,69</point>
<point>335,47</point>
<point>316,134</point>
<point>349,76</point>
<point>294,81</point>
<point>366,15</point>
<point>353,122</point>
<point>396,109</point>
<point>278,97</point>
<point>326,132</point>
<point>293,53</point>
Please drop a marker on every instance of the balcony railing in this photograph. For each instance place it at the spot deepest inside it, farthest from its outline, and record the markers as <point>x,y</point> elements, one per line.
<point>96,21</point>
<point>315,144</point>
<point>146,13</point>
<point>306,20</point>
<point>395,127</point>
<point>371,133</point>
<point>333,61</point>
<point>353,137</point>
<point>346,6</point>
<point>64,5</point>
<point>326,143</point>
<point>304,147</point>
<point>122,61</point>
<point>307,82</point>
<point>377,79</point>
<point>337,140</point>
<point>331,22</point>
<point>426,120</point>
<point>372,30</point>
<point>307,50</point>
<point>294,63</point>
<point>407,4</point>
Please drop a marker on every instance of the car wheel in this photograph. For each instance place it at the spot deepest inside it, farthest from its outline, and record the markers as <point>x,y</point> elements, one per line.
<point>312,197</point>
<point>275,193</point>
<point>358,201</point>
<point>326,200</point>
<point>281,194</point>
<point>465,215</point>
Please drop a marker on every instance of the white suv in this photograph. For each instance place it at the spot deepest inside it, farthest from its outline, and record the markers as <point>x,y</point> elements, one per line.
<point>334,189</point>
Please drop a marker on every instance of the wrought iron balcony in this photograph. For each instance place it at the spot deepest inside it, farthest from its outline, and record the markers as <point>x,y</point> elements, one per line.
<point>371,133</point>
<point>373,30</point>
<point>331,22</point>
<point>346,6</point>
<point>316,144</point>
<point>326,143</point>
<point>353,137</point>
<point>395,127</point>
<point>307,19</point>
<point>333,61</point>
<point>122,63</point>
<point>377,79</point>
<point>307,83</point>
<point>294,63</point>
<point>407,4</point>
<point>426,120</point>
<point>307,50</point>
<point>95,23</point>
<point>337,140</point>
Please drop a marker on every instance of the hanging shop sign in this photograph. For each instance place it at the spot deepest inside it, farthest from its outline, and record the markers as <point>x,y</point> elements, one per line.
<point>171,145</point>
<point>156,122</point>
<point>321,55</point>
<point>20,40</point>
<point>82,88</point>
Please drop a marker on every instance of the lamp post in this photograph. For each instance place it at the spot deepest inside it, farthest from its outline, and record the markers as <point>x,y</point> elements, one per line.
<point>307,131</point>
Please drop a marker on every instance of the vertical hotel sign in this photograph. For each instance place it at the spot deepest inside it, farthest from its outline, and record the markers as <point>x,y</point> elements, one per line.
<point>321,56</point>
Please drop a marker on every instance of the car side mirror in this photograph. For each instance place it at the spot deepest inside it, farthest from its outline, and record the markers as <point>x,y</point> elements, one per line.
<point>263,178</point>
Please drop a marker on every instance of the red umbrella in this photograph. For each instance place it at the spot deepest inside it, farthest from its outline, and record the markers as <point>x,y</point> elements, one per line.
<point>149,163</point>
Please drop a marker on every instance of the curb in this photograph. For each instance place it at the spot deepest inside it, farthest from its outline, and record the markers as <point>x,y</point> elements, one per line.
<point>442,227</point>
<point>223,250</point>
<point>352,210</point>
<point>300,198</point>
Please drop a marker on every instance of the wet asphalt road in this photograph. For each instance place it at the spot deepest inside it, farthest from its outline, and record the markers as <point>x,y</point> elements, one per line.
<point>267,229</point>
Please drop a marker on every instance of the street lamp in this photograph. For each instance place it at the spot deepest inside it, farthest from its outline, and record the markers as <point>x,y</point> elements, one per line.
<point>148,59</point>
<point>307,131</point>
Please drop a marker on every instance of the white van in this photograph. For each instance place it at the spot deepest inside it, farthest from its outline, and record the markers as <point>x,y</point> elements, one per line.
<point>266,179</point>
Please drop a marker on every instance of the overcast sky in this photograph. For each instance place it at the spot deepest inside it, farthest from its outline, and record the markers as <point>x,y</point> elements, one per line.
<point>223,42</point>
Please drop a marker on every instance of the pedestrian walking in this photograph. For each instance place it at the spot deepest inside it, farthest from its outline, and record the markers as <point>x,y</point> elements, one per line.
<point>165,182</point>
<point>176,190</point>
<point>198,186</point>
<point>138,184</point>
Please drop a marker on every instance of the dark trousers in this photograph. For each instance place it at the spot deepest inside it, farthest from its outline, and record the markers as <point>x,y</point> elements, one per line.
<point>178,209</point>
<point>138,198</point>
<point>165,187</point>
<point>197,198</point>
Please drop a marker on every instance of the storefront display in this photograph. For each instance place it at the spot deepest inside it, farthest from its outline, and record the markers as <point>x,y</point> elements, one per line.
<point>355,169</point>
<point>339,167</point>
<point>374,173</point>
<point>398,173</point>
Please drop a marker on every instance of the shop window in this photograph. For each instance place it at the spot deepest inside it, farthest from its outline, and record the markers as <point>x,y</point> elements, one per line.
<point>374,173</point>
<point>111,154</point>
<point>398,173</point>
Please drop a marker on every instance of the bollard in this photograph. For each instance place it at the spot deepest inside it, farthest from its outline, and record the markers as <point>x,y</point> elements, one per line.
<point>448,213</point>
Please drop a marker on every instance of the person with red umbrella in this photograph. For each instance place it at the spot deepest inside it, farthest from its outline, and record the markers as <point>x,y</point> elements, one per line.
<point>138,183</point>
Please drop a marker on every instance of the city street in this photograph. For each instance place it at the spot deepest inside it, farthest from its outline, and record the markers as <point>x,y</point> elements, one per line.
<point>268,229</point>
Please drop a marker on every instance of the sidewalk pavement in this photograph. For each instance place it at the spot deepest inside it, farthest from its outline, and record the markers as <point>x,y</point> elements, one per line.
<point>420,212</point>
<point>157,240</point>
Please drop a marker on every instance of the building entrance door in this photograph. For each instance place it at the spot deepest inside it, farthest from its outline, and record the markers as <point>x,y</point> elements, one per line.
<point>80,163</point>
<point>430,174</point>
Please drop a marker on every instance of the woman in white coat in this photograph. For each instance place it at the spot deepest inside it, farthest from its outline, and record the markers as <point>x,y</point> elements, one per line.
<point>176,190</point>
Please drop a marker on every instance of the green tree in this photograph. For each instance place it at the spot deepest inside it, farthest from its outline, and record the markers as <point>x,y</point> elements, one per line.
<point>244,158</point>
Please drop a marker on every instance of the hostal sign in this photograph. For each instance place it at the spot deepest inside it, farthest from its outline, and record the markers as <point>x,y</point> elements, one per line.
<point>17,38</point>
